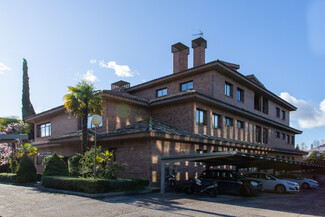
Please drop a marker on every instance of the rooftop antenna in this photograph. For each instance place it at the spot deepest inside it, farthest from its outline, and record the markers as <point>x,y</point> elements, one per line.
<point>201,34</point>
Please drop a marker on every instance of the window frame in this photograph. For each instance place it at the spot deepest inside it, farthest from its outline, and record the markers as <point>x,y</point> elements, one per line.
<point>257,101</point>
<point>265,105</point>
<point>240,95</point>
<point>186,83</point>
<point>258,134</point>
<point>47,129</point>
<point>200,113</point>
<point>231,122</point>
<point>242,126</point>
<point>277,112</point>
<point>283,115</point>
<point>265,135</point>
<point>214,121</point>
<point>162,89</point>
<point>228,84</point>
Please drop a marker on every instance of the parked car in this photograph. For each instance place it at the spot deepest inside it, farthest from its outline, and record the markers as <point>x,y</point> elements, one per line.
<point>303,182</point>
<point>233,182</point>
<point>274,183</point>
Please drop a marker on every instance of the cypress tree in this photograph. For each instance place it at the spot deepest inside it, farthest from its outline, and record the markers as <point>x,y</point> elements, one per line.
<point>27,109</point>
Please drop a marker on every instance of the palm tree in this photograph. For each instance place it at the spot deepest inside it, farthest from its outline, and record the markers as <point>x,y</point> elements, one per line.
<point>82,100</point>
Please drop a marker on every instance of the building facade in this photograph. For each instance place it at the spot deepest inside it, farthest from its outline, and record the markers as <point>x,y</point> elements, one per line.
<point>209,107</point>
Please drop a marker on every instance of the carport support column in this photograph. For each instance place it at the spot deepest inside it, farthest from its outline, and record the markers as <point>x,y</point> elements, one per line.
<point>162,178</point>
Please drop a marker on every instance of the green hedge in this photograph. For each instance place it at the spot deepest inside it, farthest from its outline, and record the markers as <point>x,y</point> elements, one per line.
<point>8,177</point>
<point>93,186</point>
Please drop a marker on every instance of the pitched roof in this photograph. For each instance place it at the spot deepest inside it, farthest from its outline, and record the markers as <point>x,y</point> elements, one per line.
<point>253,78</point>
<point>151,125</point>
<point>127,95</point>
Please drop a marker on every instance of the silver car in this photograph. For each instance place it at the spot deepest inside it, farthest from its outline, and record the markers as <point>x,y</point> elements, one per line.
<point>273,183</point>
<point>302,181</point>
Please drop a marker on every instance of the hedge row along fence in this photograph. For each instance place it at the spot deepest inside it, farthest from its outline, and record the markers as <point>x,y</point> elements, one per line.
<point>7,177</point>
<point>11,177</point>
<point>92,186</point>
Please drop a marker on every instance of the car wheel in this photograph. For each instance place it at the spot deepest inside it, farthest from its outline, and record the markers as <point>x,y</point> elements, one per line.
<point>280,189</point>
<point>212,192</point>
<point>305,186</point>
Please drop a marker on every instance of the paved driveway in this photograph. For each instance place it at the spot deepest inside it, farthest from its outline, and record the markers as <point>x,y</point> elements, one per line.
<point>30,201</point>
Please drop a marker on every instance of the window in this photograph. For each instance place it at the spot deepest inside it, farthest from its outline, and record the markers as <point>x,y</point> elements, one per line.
<point>278,134</point>
<point>228,89</point>
<point>265,105</point>
<point>257,102</point>
<point>113,150</point>
<point>89,124</point>
<point>277,112</point>
<point>287,139</point>
<point>265,136</point>
<point>292,140</point>
<point>258,134</point>
<point>283,136</point>
<point>292,158</point>
<point>200,116</point>
<point>187,86</point>
<point>240,95</point>
<point>228,122</point>
<point>44,130</point>
<point>283,115</point>
<point>215,121</point>
<point>240,124</point>
<point>162,92</point>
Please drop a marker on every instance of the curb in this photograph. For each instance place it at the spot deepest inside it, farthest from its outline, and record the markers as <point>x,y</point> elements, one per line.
<point>112,194</point>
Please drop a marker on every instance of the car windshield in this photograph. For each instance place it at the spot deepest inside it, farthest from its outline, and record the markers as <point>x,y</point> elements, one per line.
<point>237,175</point>
<point>277,177</point>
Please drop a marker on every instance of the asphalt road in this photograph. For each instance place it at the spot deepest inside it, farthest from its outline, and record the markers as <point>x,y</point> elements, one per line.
<point>30,201</point>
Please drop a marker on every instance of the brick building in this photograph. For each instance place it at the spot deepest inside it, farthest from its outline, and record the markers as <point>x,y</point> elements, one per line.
<point>209,107</point>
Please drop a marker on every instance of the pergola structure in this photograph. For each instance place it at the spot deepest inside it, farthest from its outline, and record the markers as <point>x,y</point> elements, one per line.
<point>11,138</point>
<point>235,158</point>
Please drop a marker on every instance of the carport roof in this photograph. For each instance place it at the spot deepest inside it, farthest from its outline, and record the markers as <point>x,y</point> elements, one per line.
<point>10,138</point>
<point>242,160</point>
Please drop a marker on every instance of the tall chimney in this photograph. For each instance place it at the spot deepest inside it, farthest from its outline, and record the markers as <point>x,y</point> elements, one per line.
<point>199,46</point>
<point>180,58</point>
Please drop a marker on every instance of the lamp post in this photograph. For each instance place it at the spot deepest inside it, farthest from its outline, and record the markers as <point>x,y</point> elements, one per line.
<point>96,120</point>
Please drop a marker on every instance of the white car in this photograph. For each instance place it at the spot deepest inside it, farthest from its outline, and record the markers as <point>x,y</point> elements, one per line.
<point>302,181</point>
<point>273,183</point>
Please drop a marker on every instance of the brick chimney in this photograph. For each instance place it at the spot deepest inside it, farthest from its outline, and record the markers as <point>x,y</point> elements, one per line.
<point>180,58</point>
<point>199,46</point>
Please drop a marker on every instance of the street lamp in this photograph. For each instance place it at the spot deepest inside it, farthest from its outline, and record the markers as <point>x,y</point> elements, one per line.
<point>96,120</point>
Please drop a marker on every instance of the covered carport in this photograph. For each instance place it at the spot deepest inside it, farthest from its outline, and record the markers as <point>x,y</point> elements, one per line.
<point>235,158</point>
<point>11,138</point>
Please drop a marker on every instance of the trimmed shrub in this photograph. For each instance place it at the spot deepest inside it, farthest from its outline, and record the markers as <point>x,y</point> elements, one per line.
<point>74,165</point>
<point>7,177</point>
<point>56,167</point>
<point>5,168</point>
<point>26,171</point>
<point>93,186</point>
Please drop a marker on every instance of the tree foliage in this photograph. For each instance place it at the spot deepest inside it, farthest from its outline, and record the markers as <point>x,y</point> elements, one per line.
<point>56,167</point>
<point>27,107</point>
<point>317,157</point>
<point>105,166</point>
<point>26,171</point>
<point>82,100</point>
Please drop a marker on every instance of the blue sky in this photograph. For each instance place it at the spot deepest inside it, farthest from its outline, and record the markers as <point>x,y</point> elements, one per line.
<point>281,42</point>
